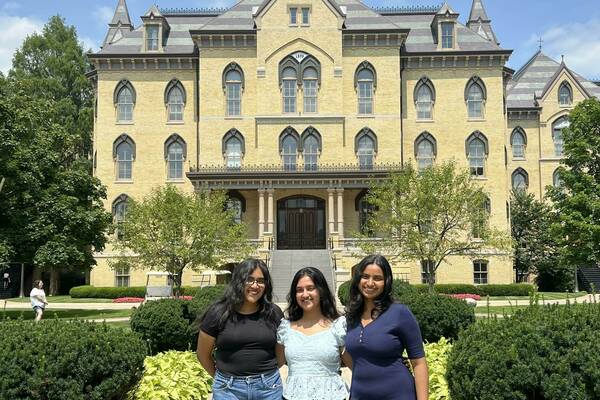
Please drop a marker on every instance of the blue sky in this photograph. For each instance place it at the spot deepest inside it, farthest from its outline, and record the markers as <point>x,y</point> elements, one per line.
<point>569,27</point>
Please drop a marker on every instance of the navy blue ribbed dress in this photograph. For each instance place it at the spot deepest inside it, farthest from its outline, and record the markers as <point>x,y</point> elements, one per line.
<point>376,350</point>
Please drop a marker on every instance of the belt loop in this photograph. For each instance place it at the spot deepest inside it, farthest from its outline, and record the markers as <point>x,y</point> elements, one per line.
<point>230,382</point>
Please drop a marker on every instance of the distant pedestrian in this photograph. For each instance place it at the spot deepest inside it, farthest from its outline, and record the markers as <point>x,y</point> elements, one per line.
<point>5,280</point>
<point>38,299</point>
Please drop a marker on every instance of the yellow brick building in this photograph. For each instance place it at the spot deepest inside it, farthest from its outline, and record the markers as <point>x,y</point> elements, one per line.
<point>296,106</point>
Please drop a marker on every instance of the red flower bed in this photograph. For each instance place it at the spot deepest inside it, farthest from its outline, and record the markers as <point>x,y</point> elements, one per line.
<point>128,300</point>
<point>463,296</point>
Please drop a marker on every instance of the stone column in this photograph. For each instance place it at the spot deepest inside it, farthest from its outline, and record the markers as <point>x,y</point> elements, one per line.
<point>340,212</point>
<point>270,210</point>
<point>331,210</point>
<point>261,212</point>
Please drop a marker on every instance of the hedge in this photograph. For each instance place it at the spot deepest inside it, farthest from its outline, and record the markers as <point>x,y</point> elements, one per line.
<point>543,352</point>
<point>68,360</point>
<point>100,292</point>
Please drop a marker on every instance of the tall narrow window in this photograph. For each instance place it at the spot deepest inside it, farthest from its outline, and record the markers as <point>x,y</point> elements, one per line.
<point>424,102</point>
<point>233,89</point>
<point>234,205</point>
<point>122,276</point>
<point>447,35</point>
<point>480,272</point>
<point>475,102</point>
<point>427,271</point>
<point>293,16</point>
<point>424,154</point>
<point>565,94</point>
<point>365,151</point>
<point>152,37</point>
<point>289,90</point>
<point>305,16</point>
<point>289,152</point>
<point>175,104</point>
<point>520,180</point>
<point>557,135</point>
<point>309,82</point>
<point>365,91</point>
<point>311,153</point>
<point>233,153</point>
<point>119,211</point>
<point>175,161</point>
<point>124,161</point>
<point>556,180</point>
<point>477,157</point>
<point>125,105</point>
<point>518,142</point>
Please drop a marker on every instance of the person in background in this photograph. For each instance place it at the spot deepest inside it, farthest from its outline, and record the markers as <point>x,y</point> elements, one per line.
<point>311,340</point>
<point>38,299</point>
<point>379,331</point>
<point>242,327</point>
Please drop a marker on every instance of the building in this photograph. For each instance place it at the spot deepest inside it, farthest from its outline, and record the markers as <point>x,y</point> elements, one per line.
<point>294,107</point>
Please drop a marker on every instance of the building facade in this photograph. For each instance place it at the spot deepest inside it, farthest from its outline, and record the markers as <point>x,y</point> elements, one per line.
<point>296,107</point>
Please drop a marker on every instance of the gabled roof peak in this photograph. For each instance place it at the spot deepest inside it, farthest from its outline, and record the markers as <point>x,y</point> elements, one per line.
<point>478,12</point>
<point>153,11</point>
<point>121,14</point>
<point>446,9</point>
<point>119,25</point>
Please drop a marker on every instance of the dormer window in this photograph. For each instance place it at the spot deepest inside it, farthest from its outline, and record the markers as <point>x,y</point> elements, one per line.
<point>152,37</point>
<point>447,35</point>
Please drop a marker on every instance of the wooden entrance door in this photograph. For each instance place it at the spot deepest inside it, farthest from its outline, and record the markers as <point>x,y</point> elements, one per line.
<point>301,223</point>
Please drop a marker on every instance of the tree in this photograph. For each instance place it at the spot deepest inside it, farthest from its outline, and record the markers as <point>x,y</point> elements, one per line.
<point>431,215</point>
<point>577,200</point>
<point>535,246</point>
<point>170,231</point>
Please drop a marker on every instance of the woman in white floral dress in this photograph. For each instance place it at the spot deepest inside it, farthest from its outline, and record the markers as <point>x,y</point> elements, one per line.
<point>311,340</point>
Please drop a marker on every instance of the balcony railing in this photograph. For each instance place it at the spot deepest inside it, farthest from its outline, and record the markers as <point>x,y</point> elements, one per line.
<point>280,168</point>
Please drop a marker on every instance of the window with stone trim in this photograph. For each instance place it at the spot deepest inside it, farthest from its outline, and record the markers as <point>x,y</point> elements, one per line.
<point>289,152</point>
<point>233,148</point>
<point>557,135</point>
<point>233,85</point>
<point>475,97</point>
<point>124,155</point>
<point>424,99</point>
<point>122,276</point>
<point>124,99</point>
<point>289,87</point>
<point>175,103</point>
<point>175,160</point>
<point>477,150</point>
<point>309,85</point>
<point>427,269</point>
<point>480,272</point>
<point>366,148</point>
<point>556,179</point>
<point>520,180</point>
<point>447,35</point>
<point>311,148</point>
<point>565,94</point>
<point>119,212</point>
<point>425,150</point>
<point>518,142</point>
<point>152,37</point>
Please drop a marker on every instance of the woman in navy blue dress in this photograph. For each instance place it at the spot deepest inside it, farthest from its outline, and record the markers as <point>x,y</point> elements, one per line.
<point>379,331</point>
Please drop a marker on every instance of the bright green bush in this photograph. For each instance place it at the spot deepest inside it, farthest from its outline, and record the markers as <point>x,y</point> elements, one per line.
<point>437,360</point>
<point>165,324</point>
<point>512,289</point>
<point>173,375</point>
<point>542,353</point>
<point>89,292</point>
<point>68,360</point>
<point>204,298</point>
<point>439,316</point>
<point>400,288</point>
<point>344,292</point>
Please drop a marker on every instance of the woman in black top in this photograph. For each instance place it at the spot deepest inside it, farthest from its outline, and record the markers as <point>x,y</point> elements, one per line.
<point>242,327</point>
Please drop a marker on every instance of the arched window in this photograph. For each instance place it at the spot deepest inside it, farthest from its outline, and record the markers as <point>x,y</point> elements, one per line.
<point>365,211</point>
<point>233,84</point>
<point>289,150</point>
<point>477,150</point>
<point>289,90</point>
<point>233,147</point>
<point>365,145</point>
<point>119,211</point>
<point>565,94</point>
<point>124,154</point>
<point>236,204</point>
<point>518,141</point>
<point>424,96</point>
<point>175,154</point>
<point>309,83</point>
<point>124,99</point>
<point>365,81</point>
<point>556,180</point>
<point>557,134</point>
<point>175,100</point>
<point>475,96</point>
<point>425,150</point>
<point>520,179</point>
<point>311,148</point>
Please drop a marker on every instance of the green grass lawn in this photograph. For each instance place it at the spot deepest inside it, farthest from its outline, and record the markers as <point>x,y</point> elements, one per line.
<point>69,314</point>
<point>499,309</point>
<point>542,296</point>
<point>121,325</point>
<point>61,299</point>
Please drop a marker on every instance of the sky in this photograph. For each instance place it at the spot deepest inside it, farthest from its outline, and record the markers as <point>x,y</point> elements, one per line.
<point>567,27</point>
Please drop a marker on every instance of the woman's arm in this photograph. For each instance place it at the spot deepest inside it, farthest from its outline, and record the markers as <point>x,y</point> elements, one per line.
<point>206,345</point>
<point>280,353</point>
<point>346,359</point>
<point>421,377</point>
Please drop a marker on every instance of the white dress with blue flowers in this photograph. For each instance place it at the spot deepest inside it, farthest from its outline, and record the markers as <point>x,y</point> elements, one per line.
<point>313,362</point>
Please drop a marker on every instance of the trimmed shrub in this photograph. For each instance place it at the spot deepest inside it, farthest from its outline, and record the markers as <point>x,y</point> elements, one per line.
<point>203,299</point>
<point>400,288</point>
<point>344,292</point>
<point>513,289</point>
<point>68,360</point>
<point>173,375</point>
<point>542,352</point>
<point>165,324</point>
<point>91,292</point>
<point>439,316</point>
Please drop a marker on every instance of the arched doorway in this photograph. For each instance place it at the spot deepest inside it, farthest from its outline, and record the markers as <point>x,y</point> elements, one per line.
<point>301,223</point>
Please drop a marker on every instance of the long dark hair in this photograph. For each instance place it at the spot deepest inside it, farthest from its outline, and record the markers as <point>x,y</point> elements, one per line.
<point>327,301</point>
<point>355,306</point>
<point>234,294</point>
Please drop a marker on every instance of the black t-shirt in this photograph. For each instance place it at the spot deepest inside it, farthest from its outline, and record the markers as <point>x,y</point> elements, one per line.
<point>245,345</point>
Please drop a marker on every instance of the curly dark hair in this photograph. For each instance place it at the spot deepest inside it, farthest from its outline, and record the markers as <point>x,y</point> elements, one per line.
<point>355,306</point>
<point>327,301</point>
<point>234,295</point>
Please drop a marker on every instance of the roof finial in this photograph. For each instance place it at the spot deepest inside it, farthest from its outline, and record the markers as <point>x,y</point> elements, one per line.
<point>540,41</point>
<point>562,58</point>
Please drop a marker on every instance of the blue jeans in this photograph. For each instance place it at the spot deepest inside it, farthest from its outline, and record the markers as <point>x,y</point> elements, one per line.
<point>256,387</point>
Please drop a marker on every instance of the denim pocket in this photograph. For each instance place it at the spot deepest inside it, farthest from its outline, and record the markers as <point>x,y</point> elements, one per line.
<point>272,381</point>
<point>220,382</point>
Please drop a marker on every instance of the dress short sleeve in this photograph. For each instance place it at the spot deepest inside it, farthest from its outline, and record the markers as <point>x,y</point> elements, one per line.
<point>339,330</point>
<point>410,333</point>
<point>282,331</point>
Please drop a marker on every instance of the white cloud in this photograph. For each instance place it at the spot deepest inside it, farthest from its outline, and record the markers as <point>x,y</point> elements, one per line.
<point>104,15</point>
<point>15,30</point>
<point>88,43</point>
<point>578,42</point>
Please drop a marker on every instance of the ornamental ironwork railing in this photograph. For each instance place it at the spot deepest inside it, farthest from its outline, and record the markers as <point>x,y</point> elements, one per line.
<point>407,9</point>
<point>193,11</point>
<point>285,169</point>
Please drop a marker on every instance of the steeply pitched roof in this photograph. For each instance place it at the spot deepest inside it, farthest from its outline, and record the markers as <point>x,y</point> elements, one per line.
<point>478,12</point>
<point>480,23</point>
<point>535,78</point>
<point>121,14</point>
<point>119,25</point>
